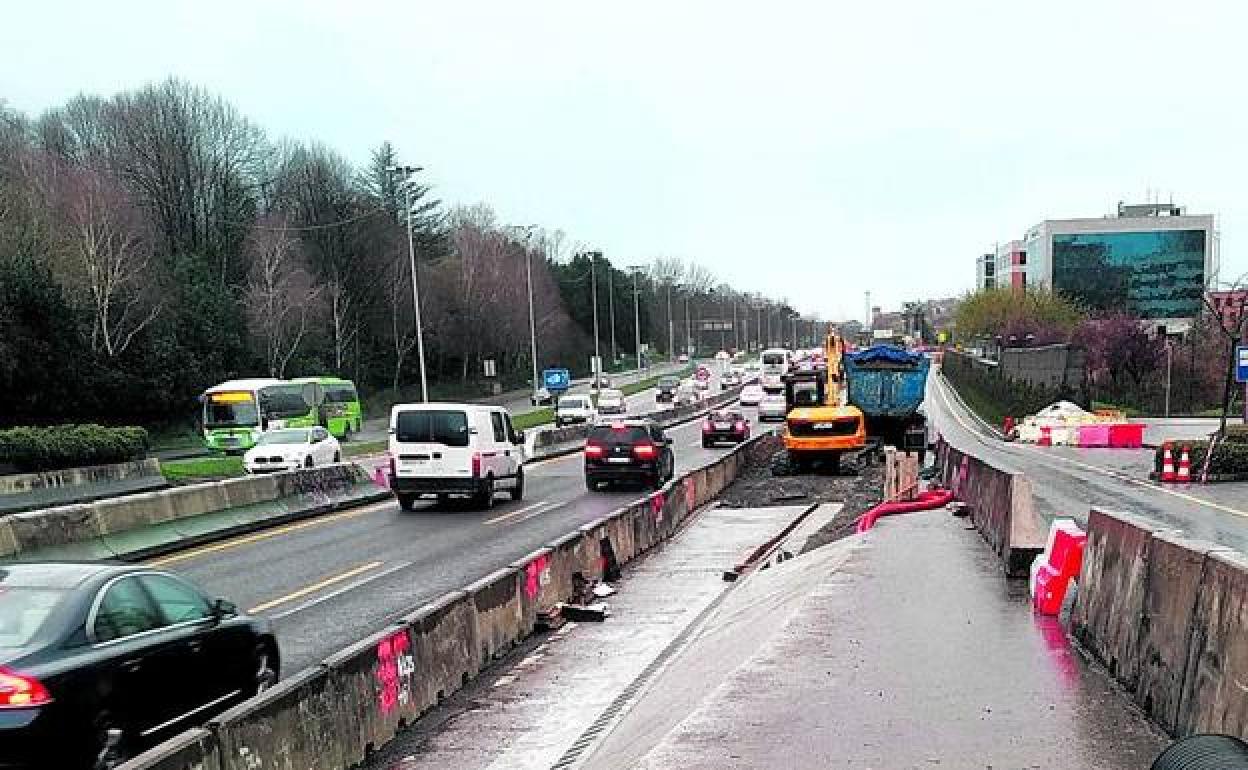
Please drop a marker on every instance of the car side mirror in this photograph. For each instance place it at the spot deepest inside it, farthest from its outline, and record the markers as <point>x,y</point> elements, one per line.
<point>519,438</point>
<point>223,608</point>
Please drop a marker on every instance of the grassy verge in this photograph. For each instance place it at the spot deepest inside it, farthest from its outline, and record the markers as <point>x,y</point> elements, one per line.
<point>361,448</point>
<point>533,419</point>
<point>215,467</point>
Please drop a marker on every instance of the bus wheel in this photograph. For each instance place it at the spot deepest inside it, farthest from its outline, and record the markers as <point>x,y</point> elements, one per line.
<point>346,433</point>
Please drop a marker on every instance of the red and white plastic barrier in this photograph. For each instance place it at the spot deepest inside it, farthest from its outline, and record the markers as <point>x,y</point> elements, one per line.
<point>1057,567</point>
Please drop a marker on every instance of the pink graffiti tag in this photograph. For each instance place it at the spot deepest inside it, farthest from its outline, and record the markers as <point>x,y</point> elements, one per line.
<point>657,501</point>
<point>395,667</point>
<point>691,494</point>
<point>536,575</point>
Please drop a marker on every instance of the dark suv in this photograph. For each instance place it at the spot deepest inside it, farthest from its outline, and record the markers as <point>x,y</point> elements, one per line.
<point>628,450</point>
<point>666,389</point>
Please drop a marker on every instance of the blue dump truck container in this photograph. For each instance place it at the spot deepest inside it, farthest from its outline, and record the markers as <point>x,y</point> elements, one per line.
<point>887,384</point>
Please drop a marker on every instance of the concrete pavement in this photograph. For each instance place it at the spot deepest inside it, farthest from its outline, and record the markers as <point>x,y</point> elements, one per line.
<point>1067,481</point>
<point>915,653</point>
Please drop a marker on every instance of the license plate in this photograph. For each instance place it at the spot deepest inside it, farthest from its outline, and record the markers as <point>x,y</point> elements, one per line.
<point>722,426</point>
<point>618,459</point>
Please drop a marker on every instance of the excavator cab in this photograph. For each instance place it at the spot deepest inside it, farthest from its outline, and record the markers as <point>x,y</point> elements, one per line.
<point>805,389</point>
<point>819,425</point>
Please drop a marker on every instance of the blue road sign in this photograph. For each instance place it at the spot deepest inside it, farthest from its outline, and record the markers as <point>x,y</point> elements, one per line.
<point>1241,363</point>
<point>556,380</point>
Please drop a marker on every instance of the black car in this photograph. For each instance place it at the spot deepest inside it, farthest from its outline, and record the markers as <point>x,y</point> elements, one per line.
<point>100,661</point>
<point>667,389</point>
<point>628,450</point>
<point>724,425</point>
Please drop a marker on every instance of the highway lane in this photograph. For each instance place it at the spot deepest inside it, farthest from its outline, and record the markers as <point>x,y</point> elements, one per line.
<point>329,581</point>
<point>1067,481</point>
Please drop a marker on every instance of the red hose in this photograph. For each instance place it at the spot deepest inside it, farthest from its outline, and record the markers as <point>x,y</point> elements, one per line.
<point>926,501</point>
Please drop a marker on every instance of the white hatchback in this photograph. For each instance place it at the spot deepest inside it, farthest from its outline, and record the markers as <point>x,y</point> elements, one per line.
<point>772,407</point>
<point>291,448</point>
<point>751,394</point>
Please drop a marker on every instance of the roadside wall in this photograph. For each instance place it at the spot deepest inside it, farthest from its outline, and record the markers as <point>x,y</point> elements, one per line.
<point>142,525</point>
<point>1054,367</point>
<point>29,491</point>
<point>1168,616</point>
<point>330,716</point>
<point>1000,503</point>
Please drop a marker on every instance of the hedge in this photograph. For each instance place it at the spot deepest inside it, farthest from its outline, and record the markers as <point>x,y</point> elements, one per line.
<point>1231,456</point>
<point>70,446</point>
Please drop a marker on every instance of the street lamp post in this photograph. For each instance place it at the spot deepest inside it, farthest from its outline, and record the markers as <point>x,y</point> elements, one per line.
<point>736,332</point>
<point>593,282</point>
<point>688,329</point>
<point>637,317</point>
<point>528,275</point>
<point>671,326</point>
<point>406,172</point>
<point>615,357</point>
<point>1168,356</point>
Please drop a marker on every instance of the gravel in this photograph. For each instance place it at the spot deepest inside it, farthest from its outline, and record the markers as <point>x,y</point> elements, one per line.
<point>859,486</point>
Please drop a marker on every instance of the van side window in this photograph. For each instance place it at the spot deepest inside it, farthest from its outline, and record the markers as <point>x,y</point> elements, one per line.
<point>511,431</point>
<point>500,433</point>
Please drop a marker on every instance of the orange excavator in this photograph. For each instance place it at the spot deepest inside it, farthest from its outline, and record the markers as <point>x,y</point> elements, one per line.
<point>821,425</point>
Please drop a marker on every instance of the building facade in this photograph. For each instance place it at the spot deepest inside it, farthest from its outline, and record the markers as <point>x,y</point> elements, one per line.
<point>1153,260</point>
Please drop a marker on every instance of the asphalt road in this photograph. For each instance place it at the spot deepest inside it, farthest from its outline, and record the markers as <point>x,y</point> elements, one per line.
<point>329,581</point>
<point>1067,481</point>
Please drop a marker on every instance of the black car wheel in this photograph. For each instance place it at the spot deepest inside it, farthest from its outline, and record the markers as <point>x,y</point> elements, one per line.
<point>266,669</point>
<point>591,483</point>
<point>517,492</point>
<point>407,502</point>
<point>707,443</point>
<point>111,744</point>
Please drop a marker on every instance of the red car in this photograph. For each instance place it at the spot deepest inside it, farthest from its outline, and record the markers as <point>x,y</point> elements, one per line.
<point>724,425</point>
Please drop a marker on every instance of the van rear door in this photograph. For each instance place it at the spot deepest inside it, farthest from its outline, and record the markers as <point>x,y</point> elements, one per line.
<point>433,443</point>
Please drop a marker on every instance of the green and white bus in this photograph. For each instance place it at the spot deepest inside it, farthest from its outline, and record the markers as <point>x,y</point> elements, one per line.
<point>341,412</point>
<point>235,413</point>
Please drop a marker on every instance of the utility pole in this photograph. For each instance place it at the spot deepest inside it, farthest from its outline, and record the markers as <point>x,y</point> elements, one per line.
<point>736,332</point>
<point>528,274</point>
<point>688,329</point>
<point>407,172</point>
<point>615,357</point>
<point>637,317</point>
<point>671,327</point>
<point>593,282</point>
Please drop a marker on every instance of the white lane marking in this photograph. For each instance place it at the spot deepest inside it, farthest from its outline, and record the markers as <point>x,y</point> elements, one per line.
<point>547,508</point>
<point>510,514</point>
<point>1152,486</point>
<point>340,591</point>
<point>503,681</point>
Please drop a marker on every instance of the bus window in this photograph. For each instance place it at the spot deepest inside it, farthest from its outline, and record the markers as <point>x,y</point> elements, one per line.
<point>230,414</point>
<point>284,401</point>
<point>341,393</point>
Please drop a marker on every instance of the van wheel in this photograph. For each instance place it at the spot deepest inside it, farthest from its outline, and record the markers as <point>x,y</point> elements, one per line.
<point>407,502</point>
<point>517,492</point>
<point>337,457</point>
<point>307,463</point>
<point>484,498</point>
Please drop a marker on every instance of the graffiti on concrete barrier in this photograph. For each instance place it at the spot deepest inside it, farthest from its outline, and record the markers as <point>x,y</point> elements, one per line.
<point>691,493</point>
<point>395,668</point>
<point>657,502</point>
<point>536,575</point>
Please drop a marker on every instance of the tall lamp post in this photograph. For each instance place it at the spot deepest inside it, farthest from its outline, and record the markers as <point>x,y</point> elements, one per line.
<point>593,281</point>
<point>611,310</point>
<point>637,317</point>
<point>528,274</point>
<point>406,172</point>
<point>671,326</point>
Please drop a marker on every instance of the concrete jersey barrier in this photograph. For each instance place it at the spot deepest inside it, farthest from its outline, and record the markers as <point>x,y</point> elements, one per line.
<point>32,491</point>
<point>142,525</point>
<point>1000,504</point>
<point>332,715</point>
<point>1167,615</point>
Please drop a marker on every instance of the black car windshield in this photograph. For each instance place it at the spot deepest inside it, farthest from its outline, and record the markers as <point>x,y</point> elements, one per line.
<point>619,434</point>
<point>23,611</point>
<point>432,426</point>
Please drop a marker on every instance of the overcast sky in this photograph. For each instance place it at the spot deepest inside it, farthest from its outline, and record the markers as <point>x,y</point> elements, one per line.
<point>813,150</point>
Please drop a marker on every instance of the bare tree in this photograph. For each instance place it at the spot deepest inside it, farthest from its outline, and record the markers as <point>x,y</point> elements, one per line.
<point>281,295</point>
<point>1231,318</point>
<point>106,246</point>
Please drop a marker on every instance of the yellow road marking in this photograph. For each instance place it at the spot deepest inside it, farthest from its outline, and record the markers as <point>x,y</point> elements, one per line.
<point>302,592</point>
<point>264,535</point>
<point>1152,486</point>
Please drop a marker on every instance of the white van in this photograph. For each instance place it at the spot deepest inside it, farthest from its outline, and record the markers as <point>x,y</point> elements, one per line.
<point>442,450</point>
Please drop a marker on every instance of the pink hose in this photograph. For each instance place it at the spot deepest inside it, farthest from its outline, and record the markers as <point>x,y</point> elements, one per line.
<point>926,501</point>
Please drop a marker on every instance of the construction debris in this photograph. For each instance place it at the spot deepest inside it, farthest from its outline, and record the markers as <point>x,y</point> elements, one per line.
<point>603,590</point>
<point>585,613</point>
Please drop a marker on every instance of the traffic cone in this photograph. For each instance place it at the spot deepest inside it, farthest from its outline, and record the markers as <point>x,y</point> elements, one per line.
<point>1046,436</point>
<point>1167,464</point>
<point>1185,468</point>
